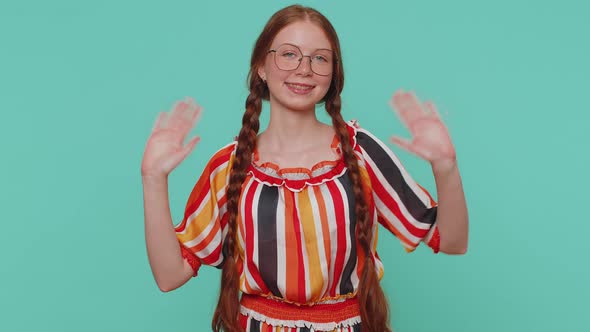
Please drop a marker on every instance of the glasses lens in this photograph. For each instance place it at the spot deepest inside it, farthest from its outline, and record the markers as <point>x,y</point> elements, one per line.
<point>287,57</point>
<point>322,62</point>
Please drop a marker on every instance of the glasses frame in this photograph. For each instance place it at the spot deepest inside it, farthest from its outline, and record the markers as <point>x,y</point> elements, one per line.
<point>274,51</point>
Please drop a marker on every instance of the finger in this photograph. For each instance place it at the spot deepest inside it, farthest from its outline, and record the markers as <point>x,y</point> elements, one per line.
<point>407,107</point>
<point>193,116</point>
<point>408,146</point>
<point>189,100</point>
<point>192,143</point>
<point>160,121</point>
<point>194,111</point>
<point>403,143</point>
<point>413,103</point>
<point>396,99</point>
<point>197,111</point>
<point>189,147</point>
<point>178,157</point>
<point>432,109</point>
<point>393,103</point>
<point>178,115</point>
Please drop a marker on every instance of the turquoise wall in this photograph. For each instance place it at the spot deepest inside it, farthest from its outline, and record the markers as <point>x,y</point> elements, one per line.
<point>82,82</point>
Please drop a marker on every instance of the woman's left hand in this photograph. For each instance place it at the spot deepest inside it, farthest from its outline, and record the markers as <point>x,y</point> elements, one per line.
<point>430,137</point>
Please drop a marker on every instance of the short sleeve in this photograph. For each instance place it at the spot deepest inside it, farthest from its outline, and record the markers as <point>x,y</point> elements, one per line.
<point>403,207</point>
<point>201,231</point>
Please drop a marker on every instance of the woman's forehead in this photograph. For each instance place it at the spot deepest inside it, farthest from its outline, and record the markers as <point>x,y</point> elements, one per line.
<point>303,34</point>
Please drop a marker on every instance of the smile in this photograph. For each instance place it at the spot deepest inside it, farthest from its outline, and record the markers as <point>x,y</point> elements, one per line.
<point>299,88</point>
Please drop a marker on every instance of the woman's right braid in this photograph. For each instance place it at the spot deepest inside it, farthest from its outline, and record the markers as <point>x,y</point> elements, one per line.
<point>227,312</point>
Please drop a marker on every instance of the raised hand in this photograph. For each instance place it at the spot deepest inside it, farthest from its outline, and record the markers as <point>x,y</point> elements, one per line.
<point>164,149</point>
<point>430,137</point>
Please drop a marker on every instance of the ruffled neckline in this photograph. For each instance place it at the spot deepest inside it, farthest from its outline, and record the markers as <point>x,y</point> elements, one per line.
<point>297,178</point>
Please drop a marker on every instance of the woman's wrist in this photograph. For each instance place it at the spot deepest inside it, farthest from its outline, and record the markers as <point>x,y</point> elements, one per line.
<point>150,179</point>
<point>443,166</point>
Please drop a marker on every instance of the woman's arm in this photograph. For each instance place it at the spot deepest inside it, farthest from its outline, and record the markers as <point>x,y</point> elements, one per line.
<point>163,152</point>
<point>431,142</point>
<point>170,270</point>
<point>452,218</point>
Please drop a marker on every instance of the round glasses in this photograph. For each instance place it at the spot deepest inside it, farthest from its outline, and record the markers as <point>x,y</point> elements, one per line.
<point>289,57</point>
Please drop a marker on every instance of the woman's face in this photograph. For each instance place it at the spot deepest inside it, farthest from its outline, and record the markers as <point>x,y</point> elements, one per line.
<point>300,88</point>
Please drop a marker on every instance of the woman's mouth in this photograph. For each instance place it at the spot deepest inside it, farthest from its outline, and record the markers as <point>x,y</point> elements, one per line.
<point>300,89</point>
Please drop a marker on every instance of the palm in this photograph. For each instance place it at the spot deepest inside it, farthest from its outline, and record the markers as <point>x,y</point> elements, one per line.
<point>430,137</point>
<point>165,148</point>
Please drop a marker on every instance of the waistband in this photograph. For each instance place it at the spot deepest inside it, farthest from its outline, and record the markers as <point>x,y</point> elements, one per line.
<point>321,316</point>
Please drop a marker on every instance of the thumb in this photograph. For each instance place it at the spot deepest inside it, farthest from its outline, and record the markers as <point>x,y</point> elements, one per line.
<point>184,152</point>
<point>408,146</point>
<point>402,143</point>
<point>189,147</point>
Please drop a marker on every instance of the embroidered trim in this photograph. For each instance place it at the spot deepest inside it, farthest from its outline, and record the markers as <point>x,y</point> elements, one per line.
<point>434,243</point>
<point>323,300</point>
<point>325,317</point>
<point>302,171</point>
<point>192,260</point>
<point>352,127</point>
<point>300,323</point>
<point>281,172</point>
<point>297,185</point>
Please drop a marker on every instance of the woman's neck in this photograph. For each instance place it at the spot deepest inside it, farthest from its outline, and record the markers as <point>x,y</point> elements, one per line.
<point>290,130</point>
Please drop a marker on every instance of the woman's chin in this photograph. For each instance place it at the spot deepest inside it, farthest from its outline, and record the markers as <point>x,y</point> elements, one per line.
<point>298,104</point>
<point>302,102</point>
<point>301,106</point>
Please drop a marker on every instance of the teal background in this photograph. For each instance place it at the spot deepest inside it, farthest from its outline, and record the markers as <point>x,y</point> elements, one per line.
<point>82,82</point>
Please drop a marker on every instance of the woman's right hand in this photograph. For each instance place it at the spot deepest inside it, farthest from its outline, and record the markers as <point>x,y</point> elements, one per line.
<point>164,149</point>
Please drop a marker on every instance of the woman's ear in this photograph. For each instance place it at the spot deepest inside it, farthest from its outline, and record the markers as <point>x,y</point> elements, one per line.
<point>261,74</point>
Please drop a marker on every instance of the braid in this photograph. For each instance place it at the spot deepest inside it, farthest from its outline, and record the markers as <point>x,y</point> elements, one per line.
<point>373,304</point>
<point>226,314</point>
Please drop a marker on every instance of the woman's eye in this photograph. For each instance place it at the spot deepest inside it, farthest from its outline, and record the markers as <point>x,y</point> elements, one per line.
<point>320,58</point>
<point>289,54</point>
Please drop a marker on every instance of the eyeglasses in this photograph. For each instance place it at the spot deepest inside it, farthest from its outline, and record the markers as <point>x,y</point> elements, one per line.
<point>289,57</point>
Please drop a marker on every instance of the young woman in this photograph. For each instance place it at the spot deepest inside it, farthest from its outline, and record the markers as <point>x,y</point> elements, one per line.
<point>290,215</point>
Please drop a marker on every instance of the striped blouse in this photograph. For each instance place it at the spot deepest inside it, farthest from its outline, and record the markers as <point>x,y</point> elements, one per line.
<point>296,235</point>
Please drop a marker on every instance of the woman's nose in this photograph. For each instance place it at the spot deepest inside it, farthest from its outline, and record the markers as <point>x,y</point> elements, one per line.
<point>304,65</point>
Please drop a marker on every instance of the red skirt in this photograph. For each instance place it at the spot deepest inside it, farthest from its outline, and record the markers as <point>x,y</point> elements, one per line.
<point>258,313</point>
